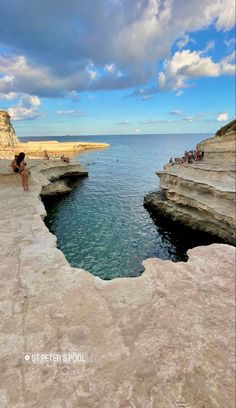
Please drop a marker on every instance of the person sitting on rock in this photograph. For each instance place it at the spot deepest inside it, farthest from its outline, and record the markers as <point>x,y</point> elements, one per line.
<point>199,154</point>
<point>186,156</point>
<point>14,164</point>
<point>190,156</point>
<point>65,159</point>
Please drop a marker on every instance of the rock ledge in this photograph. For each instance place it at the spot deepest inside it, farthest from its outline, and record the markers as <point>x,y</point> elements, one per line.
<point>201,195</point>
<point>164,339</point>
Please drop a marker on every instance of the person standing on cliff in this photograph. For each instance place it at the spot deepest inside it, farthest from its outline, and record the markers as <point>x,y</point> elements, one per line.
<point>23,171</point>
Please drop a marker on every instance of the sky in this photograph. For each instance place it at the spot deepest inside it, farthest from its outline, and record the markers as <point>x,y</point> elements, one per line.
<point>117,66</point>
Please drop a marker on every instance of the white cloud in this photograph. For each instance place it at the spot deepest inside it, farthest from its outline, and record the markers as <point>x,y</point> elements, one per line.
<point>191,64</point>
<point>70,112</point>
<point>24,77</point>
<point>23,113</point>
<point>226,17</point>
<point>222,117</point>
<point>228,64</point>
<point>27,106</point>
<point>125,37</point>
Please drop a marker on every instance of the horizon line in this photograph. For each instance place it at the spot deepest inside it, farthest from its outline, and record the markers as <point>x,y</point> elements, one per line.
<point>121,134</point>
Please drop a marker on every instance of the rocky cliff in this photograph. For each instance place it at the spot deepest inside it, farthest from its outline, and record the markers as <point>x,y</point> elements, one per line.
<point>221,148</point>
<point>202,194</point>
<point>158,340</point>
<point>7,132</point>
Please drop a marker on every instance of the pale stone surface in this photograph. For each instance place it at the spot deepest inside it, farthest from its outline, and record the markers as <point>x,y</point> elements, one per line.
<point>202,194</point>
<point>56,188</point>
<point>162,340</point>
<point>219,149</point>
<point>58,148</point>
<point>53,176</point>
<point>7,132</point>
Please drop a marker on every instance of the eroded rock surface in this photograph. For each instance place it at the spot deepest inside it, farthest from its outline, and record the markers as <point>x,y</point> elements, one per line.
<point>7,132</point>
<point>162,340</point>
<point>202,194</point>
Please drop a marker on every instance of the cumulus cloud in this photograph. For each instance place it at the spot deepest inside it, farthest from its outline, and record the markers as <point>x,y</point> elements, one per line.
<point>114,44</point>
<point>23,113</point>
<point>26,108</point>
<point>191,64</point>
<point>222,117</point>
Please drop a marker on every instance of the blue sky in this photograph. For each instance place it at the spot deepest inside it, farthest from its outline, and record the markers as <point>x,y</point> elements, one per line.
<point>117,66</point>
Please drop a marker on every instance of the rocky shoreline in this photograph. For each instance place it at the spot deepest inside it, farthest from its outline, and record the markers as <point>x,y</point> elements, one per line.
<point>11,145</point>
<point>160,339</point>
<point>201,195</point>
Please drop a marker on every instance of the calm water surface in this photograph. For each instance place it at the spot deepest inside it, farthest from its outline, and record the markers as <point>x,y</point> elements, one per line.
<point>102,225</point>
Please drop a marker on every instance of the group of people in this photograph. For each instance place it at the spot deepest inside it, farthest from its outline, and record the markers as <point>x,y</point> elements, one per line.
<point>65,159</point>
<point>189,157</point>
<point>20,166</point>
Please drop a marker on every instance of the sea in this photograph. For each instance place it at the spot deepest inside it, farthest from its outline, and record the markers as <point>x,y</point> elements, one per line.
<point>102,225</point>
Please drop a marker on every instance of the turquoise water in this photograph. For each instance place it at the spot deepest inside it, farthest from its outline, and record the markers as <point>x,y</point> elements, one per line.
<point>102,225</point>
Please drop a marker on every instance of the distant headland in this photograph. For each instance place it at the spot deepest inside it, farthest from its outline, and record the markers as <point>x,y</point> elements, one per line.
<point>10,144</point>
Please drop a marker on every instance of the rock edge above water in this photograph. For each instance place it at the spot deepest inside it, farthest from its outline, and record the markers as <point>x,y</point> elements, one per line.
<point>201,195</point>
<point>164,339</point>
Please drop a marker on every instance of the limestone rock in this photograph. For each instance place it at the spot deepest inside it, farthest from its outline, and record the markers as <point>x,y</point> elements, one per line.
<point>164,339</point>
<point>7,133</point>
<point>221,148</point>
<point>57,148</point>
<point>202,194</point>
<point>59,187</point>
